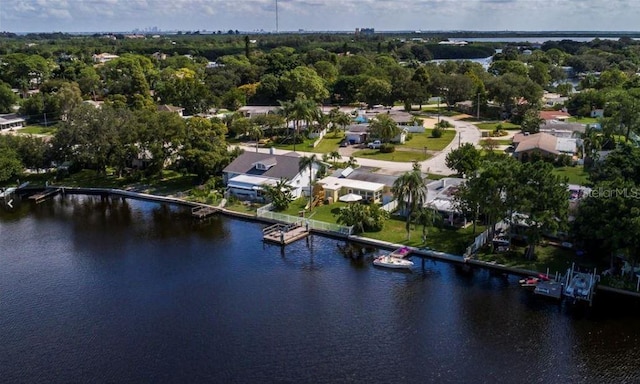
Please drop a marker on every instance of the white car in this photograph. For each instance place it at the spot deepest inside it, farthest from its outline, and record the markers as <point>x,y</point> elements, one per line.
<point>375,144</point>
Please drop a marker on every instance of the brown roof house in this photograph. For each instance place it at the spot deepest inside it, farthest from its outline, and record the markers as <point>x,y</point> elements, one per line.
<point>543,144</point>
<point>171,108</point>
<point>250,172</point>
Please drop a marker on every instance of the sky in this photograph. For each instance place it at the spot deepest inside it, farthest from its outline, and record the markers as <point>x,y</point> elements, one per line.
<point>318,15</point>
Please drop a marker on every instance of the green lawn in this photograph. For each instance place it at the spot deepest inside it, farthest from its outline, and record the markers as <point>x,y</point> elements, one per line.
<point>498,141</point>
<point>242,207</point>
<point>492,126</point>
<point>304,146</point>
<point>328,144</point>
<point>583,120</point>
<point>447,240</point>
<point>326,212</point>
<point>398,155</point>
<point>435,176</point>
<point>421,140</point>
<point>576,175</point>
<point>442,110</point>
<point>556,259</point>
<point>170,183</point>
<point>37,130</point>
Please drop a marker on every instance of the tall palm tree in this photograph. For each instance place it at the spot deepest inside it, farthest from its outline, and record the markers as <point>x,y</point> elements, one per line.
<point>308,162</point>
<point>384,128</point>
<point>427,216</point>
<point>343,119</point>
<point>255,132</point>
<point>298,110</point>
<point>411,192</point>
<point>335,155</point>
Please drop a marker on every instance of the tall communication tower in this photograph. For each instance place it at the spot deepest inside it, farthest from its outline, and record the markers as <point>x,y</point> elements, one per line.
<point>276,16</point>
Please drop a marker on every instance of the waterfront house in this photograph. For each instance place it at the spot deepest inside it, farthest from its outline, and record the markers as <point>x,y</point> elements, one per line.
<point>335,187</point>
<point>441,197</point>
<point>250,172</point>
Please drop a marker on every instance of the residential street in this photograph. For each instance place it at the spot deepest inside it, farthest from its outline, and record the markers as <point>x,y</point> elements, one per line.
<point>465,133</point>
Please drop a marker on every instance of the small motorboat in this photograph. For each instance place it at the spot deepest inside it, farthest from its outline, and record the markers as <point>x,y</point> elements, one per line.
<point>529,282</point>
<point>532,281</point>
<point>388,261</point>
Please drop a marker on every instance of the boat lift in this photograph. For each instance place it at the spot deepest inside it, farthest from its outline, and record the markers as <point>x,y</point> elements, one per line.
<point>580,286</point>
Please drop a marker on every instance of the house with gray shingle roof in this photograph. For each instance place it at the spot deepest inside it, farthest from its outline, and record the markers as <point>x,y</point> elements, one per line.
<point>250,172</point>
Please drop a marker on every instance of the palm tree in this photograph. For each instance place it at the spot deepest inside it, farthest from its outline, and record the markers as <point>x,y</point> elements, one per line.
<point>255,132</point>
<point>352,162</point>
<point>427,216</point>
<point>591,142</point>
<point>335,155</point>
<point>321,118</point>
<point>300,109</point>
<point>308,162</point>
<point>279,194</point>
<point>338,119</point>
<point>384,128</point>
<point>411,192</point>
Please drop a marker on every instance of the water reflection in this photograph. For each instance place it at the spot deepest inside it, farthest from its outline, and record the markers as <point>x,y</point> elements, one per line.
<point>129,291</point>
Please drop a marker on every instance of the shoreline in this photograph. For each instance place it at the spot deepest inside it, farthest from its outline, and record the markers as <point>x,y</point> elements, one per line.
<point>423,253</point>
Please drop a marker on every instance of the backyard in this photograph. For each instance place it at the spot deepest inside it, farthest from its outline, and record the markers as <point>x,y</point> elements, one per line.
<point>551,257</point>
<point>574,174</point>
<point>445,239</point>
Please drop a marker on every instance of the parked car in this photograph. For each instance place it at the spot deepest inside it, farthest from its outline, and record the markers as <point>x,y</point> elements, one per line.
<point>375,144</point>
<point>344,143</point>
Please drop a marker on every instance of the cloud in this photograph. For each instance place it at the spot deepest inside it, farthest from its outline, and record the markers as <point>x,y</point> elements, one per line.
<point>92,15</point>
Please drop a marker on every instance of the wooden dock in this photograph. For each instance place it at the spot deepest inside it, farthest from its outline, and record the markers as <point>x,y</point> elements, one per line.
<point>203,211</point>
<point>44,195</point>
<point>284,234</point>
<point>552,289</point>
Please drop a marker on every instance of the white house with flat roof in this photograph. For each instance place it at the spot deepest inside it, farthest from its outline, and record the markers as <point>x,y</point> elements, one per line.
<point>334,187</point>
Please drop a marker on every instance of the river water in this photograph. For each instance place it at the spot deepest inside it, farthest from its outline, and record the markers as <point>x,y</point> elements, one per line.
<point>130,291</point>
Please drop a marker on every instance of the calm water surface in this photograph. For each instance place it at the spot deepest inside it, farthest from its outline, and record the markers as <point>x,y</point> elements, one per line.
<point>129,291</point>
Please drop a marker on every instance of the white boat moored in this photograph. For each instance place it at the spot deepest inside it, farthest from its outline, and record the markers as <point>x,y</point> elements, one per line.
<point>392,262</point>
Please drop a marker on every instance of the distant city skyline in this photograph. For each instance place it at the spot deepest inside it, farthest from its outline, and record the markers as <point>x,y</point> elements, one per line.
<point>22,16</point>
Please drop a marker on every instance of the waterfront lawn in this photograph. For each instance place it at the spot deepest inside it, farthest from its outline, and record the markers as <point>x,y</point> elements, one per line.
<point>422,140</point>
<point>449,240</point>
<point>556,259</point>
<point>327,213</point>
<point>243,207</point>
<point>575,174</point>
<point>492,126</point>
<point>170,183</point>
